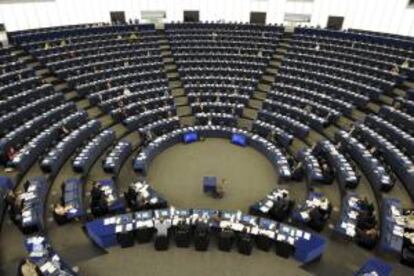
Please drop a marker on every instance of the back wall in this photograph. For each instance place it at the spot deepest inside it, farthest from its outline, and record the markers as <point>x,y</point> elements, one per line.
<point>392,16</point>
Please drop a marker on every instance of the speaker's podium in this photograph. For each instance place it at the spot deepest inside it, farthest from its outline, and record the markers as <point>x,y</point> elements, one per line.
<point>201,237</point>
<point>226,238</point>
<point>209,184</point>
<point>182,235</point>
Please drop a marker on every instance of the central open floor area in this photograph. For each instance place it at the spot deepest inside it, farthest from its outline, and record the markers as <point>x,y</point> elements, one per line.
<point>177,174</point>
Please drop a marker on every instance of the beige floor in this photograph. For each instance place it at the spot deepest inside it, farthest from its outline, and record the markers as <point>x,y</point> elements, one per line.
<point>177,174</point>
<point>144,260</point>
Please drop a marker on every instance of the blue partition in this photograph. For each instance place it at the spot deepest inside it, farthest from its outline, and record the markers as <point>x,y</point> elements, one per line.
<point>190,137</point>
<point>239,139</point>
<point>375,265</point>
<point>102,234</point>
<point>6,182</point>
<point>309,250</point>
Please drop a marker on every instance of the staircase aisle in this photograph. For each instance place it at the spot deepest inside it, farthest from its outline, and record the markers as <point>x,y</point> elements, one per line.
<point>264,85</point>
<point>176,87</point>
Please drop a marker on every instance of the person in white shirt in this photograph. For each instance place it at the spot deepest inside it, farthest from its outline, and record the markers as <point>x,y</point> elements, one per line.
<point>162,227</point>
<point>127,92</point>
<point>406,64</point>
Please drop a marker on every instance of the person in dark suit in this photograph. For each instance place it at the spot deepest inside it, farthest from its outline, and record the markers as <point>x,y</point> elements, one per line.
<point>317,220</point>
<point>99,205</point>
<point>367,238</point>
<point>15,203</point>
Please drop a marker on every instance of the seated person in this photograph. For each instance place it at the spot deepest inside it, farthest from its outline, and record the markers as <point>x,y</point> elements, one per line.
<point>219,191</point>
<point>280,209</point>
<point>161,239</point>
<point>133,37</point>
<point>27,268</point>
<point>15,201</point>
<point>407,254</point>
<point>318,215</point>
<point>63,131</point>
<point>137,200</point>
<point>316,219</point>
<point>96,192</point>
<point>60,213</point>
<point>298,172</point>
<point>11,152</point>
<point>367,238</point>
<point>328,173</point>
<point>366,219</point>
<point>99,205</point>
<point>325,207</point>
<point>409,220</point>
<point>141,202</point>
<point>162,226</point>
<point>100,208</point>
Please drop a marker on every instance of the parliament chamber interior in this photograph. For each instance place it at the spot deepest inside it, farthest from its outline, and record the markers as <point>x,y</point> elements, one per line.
<point>206,137</point>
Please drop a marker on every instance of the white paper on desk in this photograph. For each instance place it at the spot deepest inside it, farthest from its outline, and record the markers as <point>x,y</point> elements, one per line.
<point>350,231</point>
<point>353,214</point>
<point>254,230</point>
<point>30,196</point>
<point>108,221</point>
<point>398,231</point>
<point>149,223</point>
<point>46,267</point>
<point>129,227</point>
<point>37,253</point>
<point>225,224</point>
<point>304,215</point>
<point>269,233</point>
<point>118,228</point>
<point>51,268</point>
<point>31,188</point>
<point>237,226</point>
<point>281,237</point>
<point>264,209</point>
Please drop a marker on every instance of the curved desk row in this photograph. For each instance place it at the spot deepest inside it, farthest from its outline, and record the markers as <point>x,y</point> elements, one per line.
<point>369,164</point>
<point>47,261</point>
<point>275,156</point>
<point>116,157</point>
<point>345,173</point>
<point>106,232</point>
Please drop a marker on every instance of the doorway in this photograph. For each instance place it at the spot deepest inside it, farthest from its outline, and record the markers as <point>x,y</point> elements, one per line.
<point>335,22</point>
<point>191,16</point>
<point>258,18</point>
<point>117,17</point>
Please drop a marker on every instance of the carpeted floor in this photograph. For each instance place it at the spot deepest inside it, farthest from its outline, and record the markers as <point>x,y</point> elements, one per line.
<point>178,172</point>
